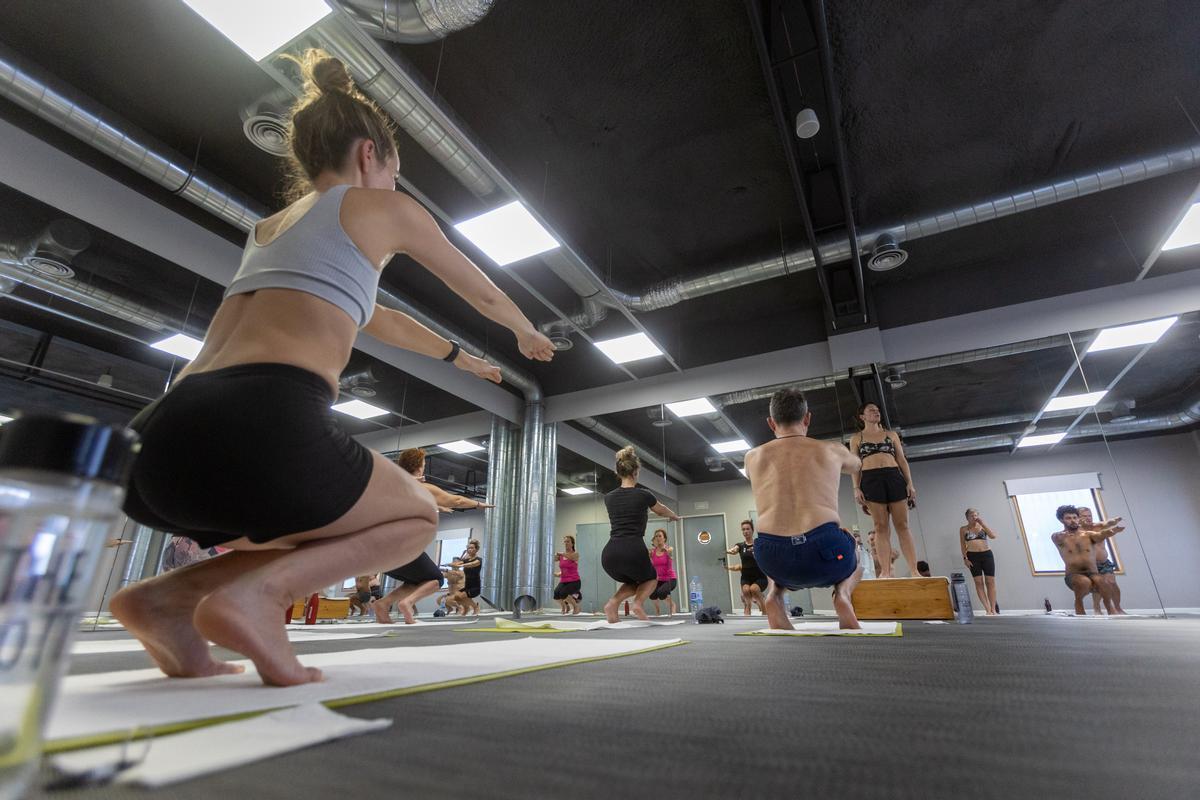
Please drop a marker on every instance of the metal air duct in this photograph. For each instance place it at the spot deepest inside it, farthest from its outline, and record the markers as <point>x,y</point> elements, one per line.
<point>416,21</point>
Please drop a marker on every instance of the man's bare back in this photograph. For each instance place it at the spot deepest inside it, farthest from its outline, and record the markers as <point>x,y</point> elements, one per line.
<point>795,481</point>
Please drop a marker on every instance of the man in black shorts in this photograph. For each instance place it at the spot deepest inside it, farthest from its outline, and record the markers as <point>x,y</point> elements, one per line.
<point>1075,545</point>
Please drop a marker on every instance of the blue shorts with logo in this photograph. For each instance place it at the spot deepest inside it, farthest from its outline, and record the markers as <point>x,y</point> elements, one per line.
<point>825,556</point>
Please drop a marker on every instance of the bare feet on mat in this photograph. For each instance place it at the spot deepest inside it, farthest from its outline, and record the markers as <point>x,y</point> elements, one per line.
<point>845,611</point>
<point>406,609</point>
<point>610,611</point>
<point>161,619</point>
<point>777,615</point>
<point>245,619</point>
<point>380,609</point>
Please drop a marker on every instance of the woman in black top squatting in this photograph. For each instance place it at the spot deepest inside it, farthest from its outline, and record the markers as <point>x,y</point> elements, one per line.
<point>625,557</point>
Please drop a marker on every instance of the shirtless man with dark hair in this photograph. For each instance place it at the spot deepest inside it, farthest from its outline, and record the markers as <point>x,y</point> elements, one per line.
<point>1076,547</point>
<point>800,541</point>
<point>1104,563</point>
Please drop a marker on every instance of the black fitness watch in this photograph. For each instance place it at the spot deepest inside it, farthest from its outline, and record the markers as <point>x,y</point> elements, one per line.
<point>455,349</point>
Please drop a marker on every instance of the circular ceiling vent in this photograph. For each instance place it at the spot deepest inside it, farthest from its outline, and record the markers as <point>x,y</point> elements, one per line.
<point>895,379</point>
<point>50,267</point>
<point>267,132</point>
<point>561,343</point>
<point>886,255</point>
<point>363,391</point>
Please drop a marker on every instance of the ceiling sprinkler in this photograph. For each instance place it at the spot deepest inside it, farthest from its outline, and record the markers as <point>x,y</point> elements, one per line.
<point>895,378</point>
<point>658,417</point>
<point>886,254</point>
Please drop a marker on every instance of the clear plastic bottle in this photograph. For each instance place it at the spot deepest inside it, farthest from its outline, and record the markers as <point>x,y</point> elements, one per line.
<point>62,483</point>
<point>961,598</point>
<point>695,594</point>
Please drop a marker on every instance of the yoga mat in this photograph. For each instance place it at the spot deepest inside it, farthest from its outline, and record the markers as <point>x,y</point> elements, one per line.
<point>86,648</point>
<point>1068,615</point>
<point>109,707</point>
<point>173,759</point>
<point>832,629</point>
<point>353,628</point>
<point>563,626</point>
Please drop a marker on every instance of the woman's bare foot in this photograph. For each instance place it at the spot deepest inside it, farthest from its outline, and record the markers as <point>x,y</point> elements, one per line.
<point>407,610</point>
<point>610,611</point>
<point>380,609</point>
<point>638,611</point>
<point>245,619</point>
<point>777,616</point>
<point>161,619</point>
<point>847,620</point>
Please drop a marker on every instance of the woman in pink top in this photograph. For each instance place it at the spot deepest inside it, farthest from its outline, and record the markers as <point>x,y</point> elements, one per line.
<point>660,557</point>
<point>567,592</point>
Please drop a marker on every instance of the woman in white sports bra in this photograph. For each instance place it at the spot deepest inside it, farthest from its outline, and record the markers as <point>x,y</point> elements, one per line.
<point>243,451</point>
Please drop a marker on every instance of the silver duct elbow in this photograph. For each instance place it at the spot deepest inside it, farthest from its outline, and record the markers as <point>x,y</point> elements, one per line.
<point>416,21</point>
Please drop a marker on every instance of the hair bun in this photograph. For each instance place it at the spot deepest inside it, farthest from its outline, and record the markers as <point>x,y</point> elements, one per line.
<point>330,75</point>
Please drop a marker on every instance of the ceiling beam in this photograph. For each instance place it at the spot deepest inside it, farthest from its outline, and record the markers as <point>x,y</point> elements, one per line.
<point>45,173</point>
<point>450,429</point>
<point>605,455</point>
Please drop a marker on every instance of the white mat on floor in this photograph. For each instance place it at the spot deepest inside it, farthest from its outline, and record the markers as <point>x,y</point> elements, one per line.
<point>173,759</point>
<point>94,708</point>
<point>534,625</point>
<point>353,628</point>
<point>832,629</point>
<point>1069,615</point>
<point>87,648</point>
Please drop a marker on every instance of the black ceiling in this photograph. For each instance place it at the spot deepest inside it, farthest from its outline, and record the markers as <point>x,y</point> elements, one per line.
<point>642,129</point>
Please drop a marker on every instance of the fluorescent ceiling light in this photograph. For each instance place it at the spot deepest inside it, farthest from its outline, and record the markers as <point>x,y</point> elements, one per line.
<point>732,446</point>
<point>1074,401</point>
<point>359,409</point>
<point>743,471</point>
<point>1187,232</point>
<point>507,234</point>
<point>260,27</point>
<point>576,490</point>
<point>1130,335</point>
<point>691,408</point>
<point>5,418</point>
<point>1042,439</point>
<point>461,446</point>
<point>629,348</point>
<point>180,345</point>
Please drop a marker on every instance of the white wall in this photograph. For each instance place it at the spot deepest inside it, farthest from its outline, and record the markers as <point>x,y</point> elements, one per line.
<point>1154,483</point>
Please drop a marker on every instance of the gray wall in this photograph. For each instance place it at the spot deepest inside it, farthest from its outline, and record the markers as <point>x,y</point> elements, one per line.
<point>1154,483</point>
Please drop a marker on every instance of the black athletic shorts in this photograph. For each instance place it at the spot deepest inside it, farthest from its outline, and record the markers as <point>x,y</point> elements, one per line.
<point>626,560</point>
<point>420,570</point>
<point>472,591</point>
<point>982,563</point>
<point>251,450</point>
<point>884,485</point>
<point>754,579</point>
<point>568,589</point>
<point>363,597</point>
<point>664,589</point>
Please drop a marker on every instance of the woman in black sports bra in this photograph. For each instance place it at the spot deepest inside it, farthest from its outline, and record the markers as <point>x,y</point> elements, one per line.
<point>884,487</point>
<point>977,555</point>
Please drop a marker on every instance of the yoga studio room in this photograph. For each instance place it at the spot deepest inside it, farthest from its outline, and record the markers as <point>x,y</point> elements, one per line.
<point>514,399</point>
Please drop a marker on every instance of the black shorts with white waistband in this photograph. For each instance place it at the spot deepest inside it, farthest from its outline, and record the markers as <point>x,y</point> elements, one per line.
<point>251,450</point>
<point>884,485</point>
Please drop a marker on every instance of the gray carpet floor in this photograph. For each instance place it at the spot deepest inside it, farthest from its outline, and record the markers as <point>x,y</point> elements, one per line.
<point>1022,707</point>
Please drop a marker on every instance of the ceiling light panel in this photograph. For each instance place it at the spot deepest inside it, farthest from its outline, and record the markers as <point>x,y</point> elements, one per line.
<point>260,27</point>
<point>179,345</point>
<point>629,348</point>
<point>1139,333</point>
<point>461,447</point>
<point>359,410</point>
<point>692,408</point>
<point>1070,401</point>
<point>507,234</point>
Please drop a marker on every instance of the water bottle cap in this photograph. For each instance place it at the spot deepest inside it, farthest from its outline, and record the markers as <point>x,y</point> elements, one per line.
<point>71,444</point>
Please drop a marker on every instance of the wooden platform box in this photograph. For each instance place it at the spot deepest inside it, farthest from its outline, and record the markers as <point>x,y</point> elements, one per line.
<point>903,598</point>
<point>327,608</point>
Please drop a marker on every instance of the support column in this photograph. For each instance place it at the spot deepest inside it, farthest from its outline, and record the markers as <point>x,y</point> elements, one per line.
<point>500,522</point>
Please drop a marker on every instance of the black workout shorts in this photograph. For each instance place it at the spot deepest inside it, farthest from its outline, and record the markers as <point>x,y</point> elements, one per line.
<point>884,485</point>
<point>626,560</point>
<point>664,588</point>
<point>420,570</point>
<point>754,579</point>
<point>251,450</point>
<point>568,589</point>
<point>982,563</point>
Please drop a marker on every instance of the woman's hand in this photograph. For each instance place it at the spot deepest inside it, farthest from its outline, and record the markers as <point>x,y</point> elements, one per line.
<point>912,492</point>
<point>484,505</point>
<point>477,366</point>
<point>534,344</point>
<point>445,510</point>
<point>858,497</point>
